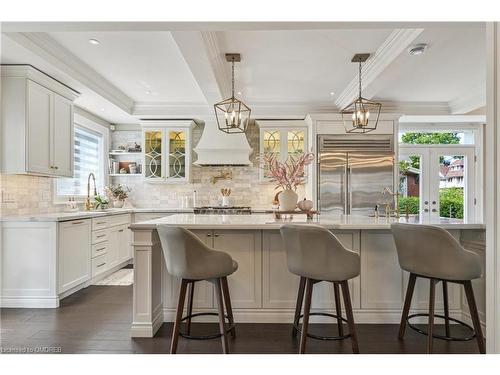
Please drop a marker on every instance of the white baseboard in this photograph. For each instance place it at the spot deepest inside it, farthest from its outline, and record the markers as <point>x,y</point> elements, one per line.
<point>139,329</point>
<point>30,302</point>
<point>286,316</point>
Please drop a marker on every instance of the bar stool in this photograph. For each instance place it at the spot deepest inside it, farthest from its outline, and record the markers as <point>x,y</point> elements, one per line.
<point>189,259</point>
<point>316,255</point>
<point>432,253</point>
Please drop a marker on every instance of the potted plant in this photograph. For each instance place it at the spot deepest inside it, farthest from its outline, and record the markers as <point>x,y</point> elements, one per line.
<point>118,194</point>
<point>288,176</point>
<point>101,203</point>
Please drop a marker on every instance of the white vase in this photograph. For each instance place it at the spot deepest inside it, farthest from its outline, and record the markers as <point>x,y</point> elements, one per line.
<point>118,203</point>
<point>288,200</point>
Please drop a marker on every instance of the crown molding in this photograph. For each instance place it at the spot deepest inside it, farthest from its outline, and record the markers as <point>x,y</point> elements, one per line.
<point>45,47</point>
<point>164,109</point>
<point>390,49</point>
<point>218,62</point>
<point>415,108</point>
<point>472,100</point>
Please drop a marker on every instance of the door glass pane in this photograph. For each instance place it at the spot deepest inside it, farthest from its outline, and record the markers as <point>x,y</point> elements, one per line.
<point>451,186</point>
<point>177,155</point>
<point>152,154</point>
<point>272,144</point>
<point>410,184</point>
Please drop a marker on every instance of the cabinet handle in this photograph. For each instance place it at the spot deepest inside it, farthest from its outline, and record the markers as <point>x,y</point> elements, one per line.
<point>102,222</point>
<point>100,265</point>
<point>121,230</point>
<point>56,167</point>
<point>100,236</point>
<point>209,235</point>
<point>77,222</point>
<point>216,235</point>
<point>101,249</point>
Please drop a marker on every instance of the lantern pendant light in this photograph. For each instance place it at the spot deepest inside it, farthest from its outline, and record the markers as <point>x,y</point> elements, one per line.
<point>232,114</point>
<point>361,116</point>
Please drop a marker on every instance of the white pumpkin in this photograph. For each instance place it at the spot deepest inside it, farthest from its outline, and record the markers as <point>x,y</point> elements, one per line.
<point>305,205</point>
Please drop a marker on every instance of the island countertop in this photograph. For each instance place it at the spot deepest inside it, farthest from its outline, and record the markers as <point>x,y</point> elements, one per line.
<point>267,221</point>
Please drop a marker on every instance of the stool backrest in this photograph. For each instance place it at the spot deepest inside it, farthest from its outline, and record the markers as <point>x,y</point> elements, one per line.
<point>432,251</point>
<point>182,250</point>
<point>314,250</point>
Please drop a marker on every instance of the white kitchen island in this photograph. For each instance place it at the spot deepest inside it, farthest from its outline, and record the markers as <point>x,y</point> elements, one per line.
<point>264,291</point>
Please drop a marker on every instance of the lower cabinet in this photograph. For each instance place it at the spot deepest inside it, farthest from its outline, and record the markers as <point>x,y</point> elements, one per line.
<point>74,253</point>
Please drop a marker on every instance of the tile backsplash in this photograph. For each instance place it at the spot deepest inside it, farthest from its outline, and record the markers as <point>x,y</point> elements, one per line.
<point>25,195</point>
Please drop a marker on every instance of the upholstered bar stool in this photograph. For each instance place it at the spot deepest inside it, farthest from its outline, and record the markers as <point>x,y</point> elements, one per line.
<point>189,259</point>
<point>316,255</point>
<point>432,253</point>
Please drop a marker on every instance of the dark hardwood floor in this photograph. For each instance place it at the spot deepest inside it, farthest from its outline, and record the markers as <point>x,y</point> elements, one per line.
<point>97,320</point>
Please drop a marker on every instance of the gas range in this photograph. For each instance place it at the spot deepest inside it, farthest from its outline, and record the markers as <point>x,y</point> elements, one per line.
<point>220,210</point>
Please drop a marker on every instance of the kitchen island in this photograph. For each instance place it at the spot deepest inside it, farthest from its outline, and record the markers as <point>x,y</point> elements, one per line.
<point>264,291</point>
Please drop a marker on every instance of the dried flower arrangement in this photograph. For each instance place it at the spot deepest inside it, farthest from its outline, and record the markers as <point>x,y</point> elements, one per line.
<point>287,175</point>
<point>117,192</point>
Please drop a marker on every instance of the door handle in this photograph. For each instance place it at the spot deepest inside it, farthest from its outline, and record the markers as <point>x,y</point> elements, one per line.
<point>434,210</point>
<point>426,210</point>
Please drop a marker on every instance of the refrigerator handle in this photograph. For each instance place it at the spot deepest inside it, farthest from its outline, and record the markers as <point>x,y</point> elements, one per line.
<point>346,189</point>
<point>349,169</point>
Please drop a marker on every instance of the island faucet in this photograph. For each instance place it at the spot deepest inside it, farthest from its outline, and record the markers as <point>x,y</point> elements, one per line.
<point>89,205</point>
<point>388,210</point>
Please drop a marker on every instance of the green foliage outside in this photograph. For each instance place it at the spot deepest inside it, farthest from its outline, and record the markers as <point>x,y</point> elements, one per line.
<point>451,203</point>
<point>431,138</point>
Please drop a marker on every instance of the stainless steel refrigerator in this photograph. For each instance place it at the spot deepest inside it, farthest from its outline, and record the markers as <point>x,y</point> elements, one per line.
<point>353,171</point>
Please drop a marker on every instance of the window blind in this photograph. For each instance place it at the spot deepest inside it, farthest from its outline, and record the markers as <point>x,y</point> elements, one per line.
<point>88,158</point>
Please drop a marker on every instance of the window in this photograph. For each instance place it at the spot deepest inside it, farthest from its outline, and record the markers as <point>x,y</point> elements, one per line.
<point>89,154</point>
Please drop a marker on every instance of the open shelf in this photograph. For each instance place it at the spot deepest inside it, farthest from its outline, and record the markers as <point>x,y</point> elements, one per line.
<point>125,174</point>
<point>124,153</point>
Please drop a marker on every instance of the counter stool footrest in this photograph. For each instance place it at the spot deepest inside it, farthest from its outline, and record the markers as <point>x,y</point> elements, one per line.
<point>205,337</point>
<point>437,336</point>
<point>319,337</point>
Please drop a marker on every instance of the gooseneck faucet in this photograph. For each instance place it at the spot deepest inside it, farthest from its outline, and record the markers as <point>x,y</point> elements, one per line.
<point>395,196</point>
<point>89,205</point>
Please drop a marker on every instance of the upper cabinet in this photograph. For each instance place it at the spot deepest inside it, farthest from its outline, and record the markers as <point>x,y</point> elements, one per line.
<point>37,123</point>
<point>167,150</point>
<point>284,138</point>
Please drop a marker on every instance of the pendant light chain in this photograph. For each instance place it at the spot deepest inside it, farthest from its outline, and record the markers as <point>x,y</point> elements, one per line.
<point>360,79</point>
<point>232,78</point>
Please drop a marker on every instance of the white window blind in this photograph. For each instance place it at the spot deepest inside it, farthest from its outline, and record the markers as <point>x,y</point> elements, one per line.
<point>88,158</point>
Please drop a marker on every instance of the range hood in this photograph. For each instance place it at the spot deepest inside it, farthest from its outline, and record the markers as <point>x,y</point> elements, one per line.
<point>218,148</point>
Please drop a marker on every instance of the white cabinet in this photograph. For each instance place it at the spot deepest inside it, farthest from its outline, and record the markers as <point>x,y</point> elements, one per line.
<point>167,150</point>
<point>283,138</point>
<point>37,123</point>
<point>74,254</point>
<point>113,254</point>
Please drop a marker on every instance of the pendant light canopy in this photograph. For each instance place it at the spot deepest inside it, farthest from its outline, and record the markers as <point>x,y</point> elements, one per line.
<point>361,116</point>
<point>232,114</point>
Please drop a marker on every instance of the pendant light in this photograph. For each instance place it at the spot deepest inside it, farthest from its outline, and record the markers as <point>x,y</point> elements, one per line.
<point>361,116</point>
<point>232,114</point>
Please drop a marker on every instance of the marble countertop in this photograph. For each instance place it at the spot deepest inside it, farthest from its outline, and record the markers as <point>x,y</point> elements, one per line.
<point>263,221</point>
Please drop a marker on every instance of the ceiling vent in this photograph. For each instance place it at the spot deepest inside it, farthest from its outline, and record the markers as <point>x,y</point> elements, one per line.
<point>418,49</point>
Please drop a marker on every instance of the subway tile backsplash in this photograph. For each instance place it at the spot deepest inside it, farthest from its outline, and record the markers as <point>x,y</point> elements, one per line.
<point>25,195</point>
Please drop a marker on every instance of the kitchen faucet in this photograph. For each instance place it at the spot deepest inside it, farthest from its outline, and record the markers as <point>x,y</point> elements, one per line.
<point>88,204</point>
<point>388,210</point>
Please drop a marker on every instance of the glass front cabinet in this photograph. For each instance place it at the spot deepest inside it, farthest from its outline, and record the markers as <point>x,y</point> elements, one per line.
<point>167,150</point>
<point>283,138</point>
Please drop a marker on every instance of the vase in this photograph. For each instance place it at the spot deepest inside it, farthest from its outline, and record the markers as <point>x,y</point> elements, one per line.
<point>288,200</point>
<point>118,203</point>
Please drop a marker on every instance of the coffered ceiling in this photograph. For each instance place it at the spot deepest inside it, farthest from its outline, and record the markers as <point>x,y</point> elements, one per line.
<point>287,70</point>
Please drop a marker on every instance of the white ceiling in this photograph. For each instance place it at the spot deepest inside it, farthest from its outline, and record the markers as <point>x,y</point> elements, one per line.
<point>137,63</point>
<point>287,72</point>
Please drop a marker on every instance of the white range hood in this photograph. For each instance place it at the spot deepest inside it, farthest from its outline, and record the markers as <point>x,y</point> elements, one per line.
<point>218,148</point>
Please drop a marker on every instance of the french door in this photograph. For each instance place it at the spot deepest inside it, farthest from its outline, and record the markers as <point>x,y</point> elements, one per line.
<point>437,181</point>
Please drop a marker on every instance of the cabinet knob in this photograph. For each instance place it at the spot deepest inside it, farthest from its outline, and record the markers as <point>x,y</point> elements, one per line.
<point>216,235</point>
<point>209,235</point>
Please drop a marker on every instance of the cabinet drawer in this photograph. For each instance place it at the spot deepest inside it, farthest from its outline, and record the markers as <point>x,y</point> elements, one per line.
<point>99,249</point>
<point>99,265</point>
<point>99,236</point>
<point>119,220</point>
<point>100,223</point>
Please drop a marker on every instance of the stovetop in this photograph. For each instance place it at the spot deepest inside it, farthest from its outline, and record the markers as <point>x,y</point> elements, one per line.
<point>226,210</point>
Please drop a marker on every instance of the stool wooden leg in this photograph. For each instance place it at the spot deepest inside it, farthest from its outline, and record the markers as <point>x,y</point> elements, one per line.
<point>350,316</point>
<point>469,293</point>
<point>305,319</point>
<point>178,317</point>
<point>446,309</point>
<point>220,307</point>
<point>298,305</point>
<point>189,306</point>
<point>407,304</point>
<point>338,308</point>
<point>430,329</point>
<point>227,303</point>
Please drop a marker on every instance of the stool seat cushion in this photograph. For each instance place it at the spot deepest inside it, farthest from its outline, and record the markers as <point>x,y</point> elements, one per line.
<point>314,252</point>
<point>187,257</point>
<point>431,251</point>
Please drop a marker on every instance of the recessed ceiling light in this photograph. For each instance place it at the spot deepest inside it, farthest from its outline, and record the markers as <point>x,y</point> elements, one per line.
<point>418,49</point>
<point>332,93</point>
<point>94,42</point>
<point>239,92</point>
<point>149,92</point>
